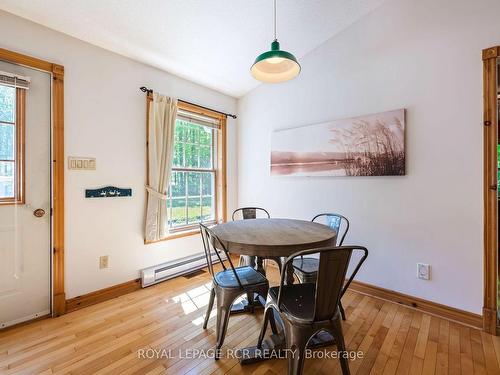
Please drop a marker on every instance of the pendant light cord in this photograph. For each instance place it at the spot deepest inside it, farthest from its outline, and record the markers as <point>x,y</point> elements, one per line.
<point>275,20</point>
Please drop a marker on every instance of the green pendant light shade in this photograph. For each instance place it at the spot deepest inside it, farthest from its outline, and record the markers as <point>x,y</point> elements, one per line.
<point>275,66</point>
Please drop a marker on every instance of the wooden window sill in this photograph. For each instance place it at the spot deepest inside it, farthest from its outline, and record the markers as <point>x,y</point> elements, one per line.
<point>175,235</point>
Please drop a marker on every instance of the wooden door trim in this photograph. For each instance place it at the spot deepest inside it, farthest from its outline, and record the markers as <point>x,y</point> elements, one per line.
<point>57,73</point>
<point>490,136</point>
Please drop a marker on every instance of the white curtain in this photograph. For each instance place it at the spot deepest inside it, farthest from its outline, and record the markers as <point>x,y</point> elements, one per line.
<point>161,127</point>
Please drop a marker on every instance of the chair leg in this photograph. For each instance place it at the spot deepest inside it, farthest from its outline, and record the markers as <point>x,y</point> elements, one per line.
<point>209,307</point>
<point>274,327</point>
<point>339,338</point>
<point>297,342</point>
<point>223,313</point>
<point>264,327</point>
<point>271,317</point>
<point>342,312</point>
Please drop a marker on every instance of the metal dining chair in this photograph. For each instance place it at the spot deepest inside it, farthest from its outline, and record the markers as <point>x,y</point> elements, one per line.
<point>308,308</point>
<point>249,213</point>
<point>245,213</point>
<point>306,268</point>
<point>228,284</point>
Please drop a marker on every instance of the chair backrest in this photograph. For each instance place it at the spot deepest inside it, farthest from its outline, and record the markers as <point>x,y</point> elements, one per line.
<point>337,222</point>
<point>213,246</point>
<point>333,264</point>
<point>250,213</point>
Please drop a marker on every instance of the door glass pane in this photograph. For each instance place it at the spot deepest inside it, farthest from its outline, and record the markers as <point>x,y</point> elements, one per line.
<point>7,103</point>
<point>7,140</point>
<point>7,179</point>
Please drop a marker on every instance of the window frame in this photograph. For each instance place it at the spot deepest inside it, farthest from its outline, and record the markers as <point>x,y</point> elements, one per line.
<point>213,169</point>
<point>219,165</point>
<point>19,156</point>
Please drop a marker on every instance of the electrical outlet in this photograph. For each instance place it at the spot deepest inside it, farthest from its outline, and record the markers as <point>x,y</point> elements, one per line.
<point>103,262</point>
<point>423,271</point>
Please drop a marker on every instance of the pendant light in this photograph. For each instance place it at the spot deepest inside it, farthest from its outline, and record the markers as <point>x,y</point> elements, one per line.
<point>275,66</point>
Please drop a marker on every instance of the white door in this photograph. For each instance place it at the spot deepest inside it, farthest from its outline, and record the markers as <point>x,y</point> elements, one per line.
<point>25,118</point>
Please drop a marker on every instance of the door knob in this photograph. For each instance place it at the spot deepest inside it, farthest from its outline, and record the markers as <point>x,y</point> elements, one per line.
<point>39,212</point>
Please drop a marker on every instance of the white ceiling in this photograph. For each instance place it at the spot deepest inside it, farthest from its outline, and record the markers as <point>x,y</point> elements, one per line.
<point>211,42</point>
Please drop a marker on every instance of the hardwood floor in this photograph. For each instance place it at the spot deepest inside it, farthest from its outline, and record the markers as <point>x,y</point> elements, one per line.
<point>107,338</point>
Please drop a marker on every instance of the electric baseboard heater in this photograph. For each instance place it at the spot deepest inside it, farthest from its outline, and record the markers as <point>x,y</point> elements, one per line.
<point>165,271</point>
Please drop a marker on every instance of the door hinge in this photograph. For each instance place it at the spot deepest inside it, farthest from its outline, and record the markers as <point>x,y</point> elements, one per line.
<point>487,123</point>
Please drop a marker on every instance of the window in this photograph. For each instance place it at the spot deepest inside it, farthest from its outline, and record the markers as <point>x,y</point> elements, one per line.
<point>12,102</point>
<point>195,190</point>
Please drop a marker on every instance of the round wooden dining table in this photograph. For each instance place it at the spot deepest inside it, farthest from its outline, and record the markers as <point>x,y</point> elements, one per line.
<point>273,238</point>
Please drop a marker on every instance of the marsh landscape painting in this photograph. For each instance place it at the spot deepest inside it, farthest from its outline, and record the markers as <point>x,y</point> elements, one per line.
<point>371,145</point>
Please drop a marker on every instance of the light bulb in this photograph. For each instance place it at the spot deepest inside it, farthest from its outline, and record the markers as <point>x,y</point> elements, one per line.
<point>274,60</point>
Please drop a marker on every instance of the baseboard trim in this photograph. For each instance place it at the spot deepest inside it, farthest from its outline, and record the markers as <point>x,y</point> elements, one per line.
<point>443,311</point>
<point>102,295</point>
<point>433,308</point>
<point>105,294</point>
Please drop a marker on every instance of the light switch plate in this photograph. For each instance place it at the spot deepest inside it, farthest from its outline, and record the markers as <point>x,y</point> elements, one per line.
<point>80,163</point>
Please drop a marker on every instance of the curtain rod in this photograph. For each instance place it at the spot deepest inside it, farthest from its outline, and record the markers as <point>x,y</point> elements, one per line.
<point>149,91</point>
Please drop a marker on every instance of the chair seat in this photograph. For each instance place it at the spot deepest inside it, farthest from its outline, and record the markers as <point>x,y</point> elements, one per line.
<point>307,265</point>
<point>297,300</point>
<point>246,274</point>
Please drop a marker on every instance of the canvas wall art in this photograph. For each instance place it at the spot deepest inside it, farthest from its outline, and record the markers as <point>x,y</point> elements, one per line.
<point>371,145</point>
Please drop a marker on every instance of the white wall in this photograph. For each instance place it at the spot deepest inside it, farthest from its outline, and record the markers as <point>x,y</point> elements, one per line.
<point>105,118</point>
<point>423,55</point>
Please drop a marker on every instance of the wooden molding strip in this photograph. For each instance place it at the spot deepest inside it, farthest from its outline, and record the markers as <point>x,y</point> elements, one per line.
<point>25,60</point>
<point>491,53</point>
<point>59,291</point>
<point>443,311</point>
<point>490,141</point>
<point>111,292</point>
<point>102,295</point>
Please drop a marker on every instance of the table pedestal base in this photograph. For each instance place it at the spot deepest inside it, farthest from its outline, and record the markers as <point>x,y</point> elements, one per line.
<point>244,306</point>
